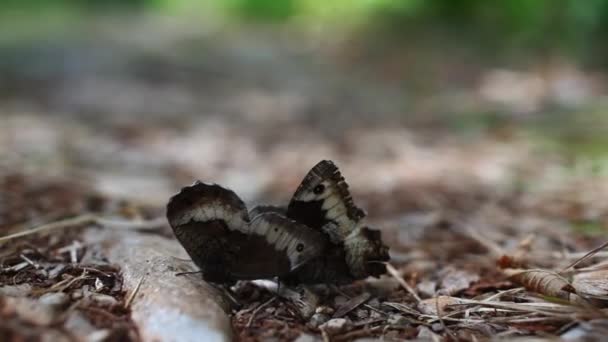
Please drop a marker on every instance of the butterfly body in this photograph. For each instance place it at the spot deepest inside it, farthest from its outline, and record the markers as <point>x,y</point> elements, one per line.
<point>318,238</point>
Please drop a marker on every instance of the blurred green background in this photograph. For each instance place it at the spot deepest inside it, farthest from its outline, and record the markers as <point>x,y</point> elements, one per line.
<point>570,27</point>
<point>543,58</point>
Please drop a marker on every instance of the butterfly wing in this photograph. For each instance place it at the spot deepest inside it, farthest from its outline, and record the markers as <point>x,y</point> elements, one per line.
<point>261,209</point>
<point>276,246</point>
<point>206,219</point>
<point>213,225</point>
<point>322,201</point>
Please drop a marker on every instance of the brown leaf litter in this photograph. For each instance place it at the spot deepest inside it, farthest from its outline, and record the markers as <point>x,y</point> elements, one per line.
<point>53,286</point>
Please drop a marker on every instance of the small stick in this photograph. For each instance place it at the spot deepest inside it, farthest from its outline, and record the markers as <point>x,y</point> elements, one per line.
<point>29,261</point>
<point>260,307</point>
<point>134,293</point>
<point>153,224</point>
<point>351,304</point>
<point>325,335</point>
<point>586,256</point>
<point>440,317</point>
<point>67,223</point>
<point>401,281</point>
<point>90,219</point>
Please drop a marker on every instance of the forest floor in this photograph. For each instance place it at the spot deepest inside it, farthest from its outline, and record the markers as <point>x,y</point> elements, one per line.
<point>489,218</point>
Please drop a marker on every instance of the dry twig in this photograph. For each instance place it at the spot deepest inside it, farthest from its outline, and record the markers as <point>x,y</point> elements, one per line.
<point>393,272</point>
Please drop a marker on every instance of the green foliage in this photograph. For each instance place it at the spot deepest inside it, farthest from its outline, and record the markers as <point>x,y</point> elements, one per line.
<point>11,5</point>
<point>575,27</point>
<point>570,26</point>
<point>265,10</point>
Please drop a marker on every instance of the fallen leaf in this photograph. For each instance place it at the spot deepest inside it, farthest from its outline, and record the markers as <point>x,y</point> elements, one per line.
<point>545,282</point>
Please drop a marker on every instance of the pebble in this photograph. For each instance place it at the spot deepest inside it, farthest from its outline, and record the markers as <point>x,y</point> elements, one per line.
<point>319,318</point>
<point>425,333</point>
<point>306,338</point>
<point>427,288</point>
<point>340,300</point>
<point>397,320</point>
<point>21,290</point>
<point>30,310</point>
<point>362,313</point>
<point>55,299</point>
<point>56,271</point>
<point>103,300</point>
<point>78,325</point>
<point>99,336</point>
<point>374,303</point>
<point>437,327</point>
<point>336,326</point>
<point>324,310</point>
<point>77,294</point>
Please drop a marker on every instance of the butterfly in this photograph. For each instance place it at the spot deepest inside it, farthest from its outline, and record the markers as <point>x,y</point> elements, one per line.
<point>318,238</point>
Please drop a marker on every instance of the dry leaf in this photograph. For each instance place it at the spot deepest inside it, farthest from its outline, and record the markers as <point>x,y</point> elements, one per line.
<point>430,306</point>
<point>454,281</point>
<point>545,282</point>
<point>592,283</point>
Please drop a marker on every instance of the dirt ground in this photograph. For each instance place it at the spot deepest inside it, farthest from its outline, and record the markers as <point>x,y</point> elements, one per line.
<point>489,227</point>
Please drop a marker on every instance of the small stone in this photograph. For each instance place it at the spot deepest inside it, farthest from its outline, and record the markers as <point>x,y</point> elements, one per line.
<point>319,318</point>
<point>98,336</point>
<point>306,338</point>
<point>427,288</point>
<point>339,301</point>
<point>324,310</point>
<point>362,313</point>
<point>56,299</point>
<point>397,320</point>
<point>103,300</point>
<point>437,327</point>
<point>426,334</point>
<point>336,326</point>
<point>51,335</point>
<point>78,325</point>
<point>20,290</point>
<point>77,294</point>
<point>374,303</point>
<point>392,335</point>
<point>375,314</point>
<point>430,306</point>
<point>30,310</point>
<point>99,285</point>
<point>454,281</point>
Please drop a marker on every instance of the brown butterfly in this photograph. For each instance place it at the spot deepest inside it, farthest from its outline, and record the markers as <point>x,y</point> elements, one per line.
<point>319,238</point>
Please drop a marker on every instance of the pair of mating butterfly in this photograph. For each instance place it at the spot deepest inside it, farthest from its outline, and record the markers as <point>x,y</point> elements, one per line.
<point>318,238</point>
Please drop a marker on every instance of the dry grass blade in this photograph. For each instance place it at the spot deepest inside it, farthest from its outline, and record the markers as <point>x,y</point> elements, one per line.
<point>90,219</point>
<point>393,272</point>
<point>490,245</point>
<point>351,304</point>
<point>134,293</point>
<point>146,225</point>
<point>586,256</point>
<point>260,307</point>
<point>439,316</point>
<point>545,282</point>
<point>61,224</point>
